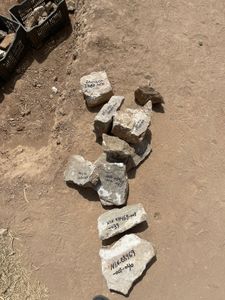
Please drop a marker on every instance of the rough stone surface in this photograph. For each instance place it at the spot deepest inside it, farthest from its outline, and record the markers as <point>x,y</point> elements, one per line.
<point>117,220</point>
<point>118,150</point>
<point>71,5</point>
<point>81,172</point>
<point>146,93</point>
<point>7,41</point>
<point>113,187</point>
<point>96,88</point>
<point>103,120</point>
<point>131,125</point>
<point>125,261</point>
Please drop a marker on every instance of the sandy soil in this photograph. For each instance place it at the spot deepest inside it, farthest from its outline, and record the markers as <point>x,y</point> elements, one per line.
<point>176,45</point>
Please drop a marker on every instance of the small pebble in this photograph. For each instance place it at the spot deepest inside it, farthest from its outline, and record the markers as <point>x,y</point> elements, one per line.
<point>54,90</point>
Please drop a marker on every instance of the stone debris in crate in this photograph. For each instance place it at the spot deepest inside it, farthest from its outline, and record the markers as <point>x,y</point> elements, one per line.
<point>39,15</point>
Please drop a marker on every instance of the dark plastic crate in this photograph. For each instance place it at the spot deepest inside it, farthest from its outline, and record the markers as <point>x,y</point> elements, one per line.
<point>53,23</point>
<point>16,49</point>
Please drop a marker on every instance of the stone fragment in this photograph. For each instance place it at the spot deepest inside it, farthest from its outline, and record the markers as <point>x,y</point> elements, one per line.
<point>113,186</point>
<point>96,88</point>
<point>125,261</point>
<point>131,125</point>
<point>141,152</point>
<point>2,54</point>
<point>7,41</point>
<point>117,220</point>
<point>118,150</point>
<point>146,93</point>
<point>54,90</point>
<point>34,16</point>
<point>103,120</point>
<point>71,5</point>
<point>81,172</point>
<point>3,34</point>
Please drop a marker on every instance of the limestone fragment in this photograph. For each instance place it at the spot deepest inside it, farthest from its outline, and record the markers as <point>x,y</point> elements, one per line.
<point>113,187</point>
<point>131,125</point>
<point>81,172</point>
<point>118,150</point>
<point>103,120</point>
<point>7,41</point>
<point>96,88</point>
<point>146,93</point>
<point>71,5</point>
<point>117,220</point>
<point>125,261</point>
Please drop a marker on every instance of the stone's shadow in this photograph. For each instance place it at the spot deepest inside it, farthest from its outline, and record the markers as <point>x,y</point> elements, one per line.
<point>137,229</point>
<point>7,86</point>
<point>88,193</point>
<point>159,108</point>
<point>149,265</point>
<point>94,109</point>
<point>41,54</point>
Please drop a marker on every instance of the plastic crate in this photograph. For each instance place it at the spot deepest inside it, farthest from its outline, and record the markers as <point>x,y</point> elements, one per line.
<point>53,23</point>
<point>16,49</point>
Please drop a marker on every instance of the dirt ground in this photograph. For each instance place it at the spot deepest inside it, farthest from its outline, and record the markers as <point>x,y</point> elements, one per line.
<point>178,47</point>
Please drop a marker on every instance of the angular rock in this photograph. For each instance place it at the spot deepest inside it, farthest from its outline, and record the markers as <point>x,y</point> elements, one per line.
<point>81,172</point>
<point>125,261</point>
<point>34,16</point>
<point>103,120</point>
<point>131,125</point>
<point>117,220</point>
<point>146,93</point>
<point>71,5</point>
<point>113,187</point>
<point>118,150</point>
<point>141,152</point>
<point>7,41</point>
<point>96,88</point>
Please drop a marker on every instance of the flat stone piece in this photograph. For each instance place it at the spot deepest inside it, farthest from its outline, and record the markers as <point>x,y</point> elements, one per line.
<point>125,261</point>
<point>131,125</point>
<point>7,41</point>
<point>103,120</point>
<point>146,93</point>
<point>81,172</point>
<point>113,187</point>
<point>117,220</point>
<point>96,88</point>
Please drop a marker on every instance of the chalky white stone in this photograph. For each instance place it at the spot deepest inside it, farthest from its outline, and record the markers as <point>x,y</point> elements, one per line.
<point>113,186</point>
<point>103,120</point>
<point>125,261</point>
<point>81,172</point>
<point>96,88</point>
<point>117,220</point>
<point>131,125</point>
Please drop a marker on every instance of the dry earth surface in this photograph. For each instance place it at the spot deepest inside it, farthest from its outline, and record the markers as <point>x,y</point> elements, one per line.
<point>177,46</point>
